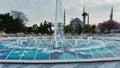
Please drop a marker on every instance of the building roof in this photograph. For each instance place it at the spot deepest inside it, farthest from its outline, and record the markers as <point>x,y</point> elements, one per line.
<point>75,21</point>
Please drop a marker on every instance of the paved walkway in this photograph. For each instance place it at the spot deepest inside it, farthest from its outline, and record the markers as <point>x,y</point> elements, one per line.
<point>115,64</point>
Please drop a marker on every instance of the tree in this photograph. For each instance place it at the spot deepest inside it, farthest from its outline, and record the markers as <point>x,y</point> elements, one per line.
<point>35,28</point>
<point>10,24</point>
<point>50,27</point>
<point>20,15</point>
<point>68,29</point>
<point>40,28</point>
<point>87,28</point>
<point>41,24</point>
<point>93,29</point>
<point>45,27</point>
<point>80,29</point>
<point>111,24</point>
<point>30,30</point>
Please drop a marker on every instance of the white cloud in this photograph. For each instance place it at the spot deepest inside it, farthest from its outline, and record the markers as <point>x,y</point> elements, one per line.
<point>40,10</point>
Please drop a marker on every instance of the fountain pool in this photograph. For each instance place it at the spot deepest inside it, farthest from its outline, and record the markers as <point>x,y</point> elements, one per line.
<point>69,49</point>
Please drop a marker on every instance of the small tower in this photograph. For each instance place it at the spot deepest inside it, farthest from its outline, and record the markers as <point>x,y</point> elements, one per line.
<point>88,19</point>
<point>64,18</point>
<point>111,14</point>
<point>84,17</point>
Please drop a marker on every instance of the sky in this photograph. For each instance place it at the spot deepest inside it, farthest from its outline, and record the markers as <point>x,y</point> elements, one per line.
<point>39,10</point>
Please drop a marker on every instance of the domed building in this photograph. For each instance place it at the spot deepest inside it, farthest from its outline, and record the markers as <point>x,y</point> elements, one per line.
<point>74,23</point>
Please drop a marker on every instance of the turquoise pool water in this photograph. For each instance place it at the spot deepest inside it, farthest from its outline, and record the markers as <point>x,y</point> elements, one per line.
<point>76,48</point>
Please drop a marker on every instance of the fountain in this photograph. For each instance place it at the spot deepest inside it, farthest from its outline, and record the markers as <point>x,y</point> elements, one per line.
<point>58,25</point>
<point>59,48</point>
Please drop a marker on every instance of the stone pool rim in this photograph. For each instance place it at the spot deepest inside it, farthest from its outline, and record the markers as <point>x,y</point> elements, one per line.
<point>58,61</point>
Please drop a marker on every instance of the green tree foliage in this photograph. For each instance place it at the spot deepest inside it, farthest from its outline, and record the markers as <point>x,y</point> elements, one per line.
<point>30,30</point>
<point>80,29</point>
<point>68,29</point>
<point>10,24</point>
<point>93,29</point>
<point>20,15</point>
<point>35,28</point>
<point>45,28</point>
<point>90,28</point>
<point>87,28</point>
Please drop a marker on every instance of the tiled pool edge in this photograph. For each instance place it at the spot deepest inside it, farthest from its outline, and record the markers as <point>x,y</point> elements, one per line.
<point>58,61</point>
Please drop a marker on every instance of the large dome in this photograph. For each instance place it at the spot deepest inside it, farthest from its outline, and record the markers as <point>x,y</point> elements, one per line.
<point>75,21</point>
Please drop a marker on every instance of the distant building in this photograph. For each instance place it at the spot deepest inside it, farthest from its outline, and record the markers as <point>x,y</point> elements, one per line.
<point>74,23</point>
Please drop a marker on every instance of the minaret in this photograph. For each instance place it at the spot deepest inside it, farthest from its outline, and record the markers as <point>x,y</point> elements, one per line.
<point>64,18</point>
<point>84,18</point>
<point>83,9</point>
<point>111,14</point>
<point>88,19</point>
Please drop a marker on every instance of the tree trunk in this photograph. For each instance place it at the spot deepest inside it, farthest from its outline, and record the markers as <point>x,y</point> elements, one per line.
<point>109,30</point>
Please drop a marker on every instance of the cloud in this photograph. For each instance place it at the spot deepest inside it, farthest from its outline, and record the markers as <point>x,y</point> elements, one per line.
<point>40,10</point>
